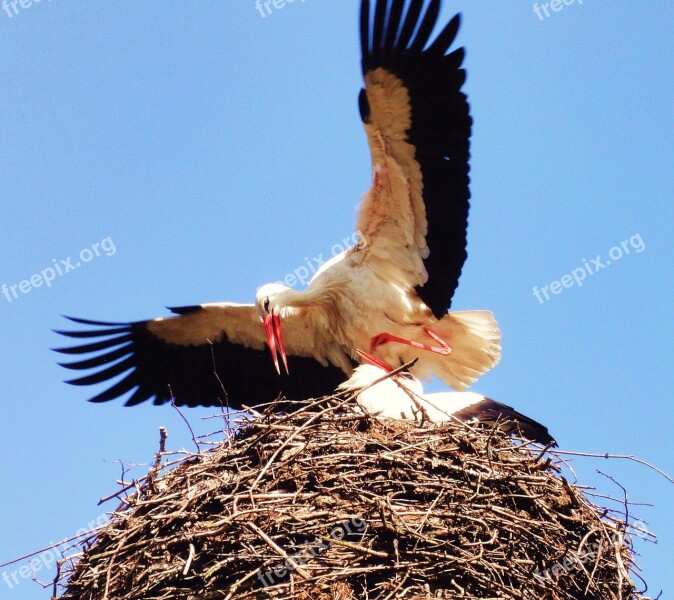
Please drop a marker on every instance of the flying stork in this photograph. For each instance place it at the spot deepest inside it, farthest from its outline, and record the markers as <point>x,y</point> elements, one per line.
<point>401,397</point>
<point>389,295</point>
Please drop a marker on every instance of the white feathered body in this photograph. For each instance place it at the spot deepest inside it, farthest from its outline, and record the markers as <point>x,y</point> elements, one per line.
<point>402,397</point>
<point>357,299</point>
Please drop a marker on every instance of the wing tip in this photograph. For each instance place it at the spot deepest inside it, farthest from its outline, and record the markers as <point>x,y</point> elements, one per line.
<point>185,310</point>
<point>528,427</point>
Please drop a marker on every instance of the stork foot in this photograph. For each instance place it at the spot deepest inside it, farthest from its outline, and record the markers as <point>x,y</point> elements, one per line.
<point>382,338</point>
<point>371,360</point>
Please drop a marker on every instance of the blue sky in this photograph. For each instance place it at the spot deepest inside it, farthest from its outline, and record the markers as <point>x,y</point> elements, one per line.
<point>191,152</point>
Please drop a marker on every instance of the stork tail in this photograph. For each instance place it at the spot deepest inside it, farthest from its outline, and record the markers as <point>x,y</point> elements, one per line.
<point>475,339</point>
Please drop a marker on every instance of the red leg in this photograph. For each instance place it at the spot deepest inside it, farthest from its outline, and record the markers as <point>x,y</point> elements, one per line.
<point>382,338</point>
<point>368,358</point>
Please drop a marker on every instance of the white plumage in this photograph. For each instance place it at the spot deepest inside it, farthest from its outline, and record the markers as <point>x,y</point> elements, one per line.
<point>401,397</point>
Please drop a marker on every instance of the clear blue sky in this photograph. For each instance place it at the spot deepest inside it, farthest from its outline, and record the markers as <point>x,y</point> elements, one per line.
<point>208,150</point>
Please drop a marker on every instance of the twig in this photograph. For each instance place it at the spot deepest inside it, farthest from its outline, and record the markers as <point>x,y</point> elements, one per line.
<point>188,563</point>
<point>619,457</point>
<point>281,552</point>
<point>182,416</point>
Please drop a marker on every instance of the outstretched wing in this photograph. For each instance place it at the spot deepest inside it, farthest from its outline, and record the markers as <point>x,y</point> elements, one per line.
<point>209,355</point>
<point>418,126</point>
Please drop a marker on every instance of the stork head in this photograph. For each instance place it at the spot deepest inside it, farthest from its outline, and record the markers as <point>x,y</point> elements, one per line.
<point>269,302</point>
<point>269,297</point>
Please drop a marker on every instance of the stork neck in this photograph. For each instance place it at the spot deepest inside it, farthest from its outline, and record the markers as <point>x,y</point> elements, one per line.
<point>300,299</point>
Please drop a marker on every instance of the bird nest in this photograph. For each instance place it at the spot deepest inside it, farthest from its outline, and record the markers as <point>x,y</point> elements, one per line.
<point>326,503</point>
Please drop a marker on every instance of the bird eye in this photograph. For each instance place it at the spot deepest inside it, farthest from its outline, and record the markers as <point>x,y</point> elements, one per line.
<point>265,304</point>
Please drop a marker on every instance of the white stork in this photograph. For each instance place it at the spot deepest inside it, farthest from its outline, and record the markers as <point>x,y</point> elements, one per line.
<point>401,397</point>
<point>389,295</point>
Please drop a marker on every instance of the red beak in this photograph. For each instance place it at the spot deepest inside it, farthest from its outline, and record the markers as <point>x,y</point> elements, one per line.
<point>272,328</point>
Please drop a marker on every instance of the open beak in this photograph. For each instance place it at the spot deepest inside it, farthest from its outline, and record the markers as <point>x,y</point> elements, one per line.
<point>272,328</point>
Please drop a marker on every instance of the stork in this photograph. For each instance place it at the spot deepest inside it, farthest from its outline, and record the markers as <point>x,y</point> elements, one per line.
<point>388,295</point>
<point>401,397</point>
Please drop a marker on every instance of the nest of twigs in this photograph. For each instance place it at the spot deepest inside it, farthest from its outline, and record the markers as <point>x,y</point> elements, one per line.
<point>326,503</point>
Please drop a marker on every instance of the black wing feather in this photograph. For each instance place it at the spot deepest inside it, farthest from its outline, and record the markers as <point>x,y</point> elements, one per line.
<point>97,361</point>
<point>445,39</point>
<point>410,23</point>
<point>95,347</point>
<point>490,412</point>
<point>426,28</point>
<point>393,26</point>
<point>378,30</point>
